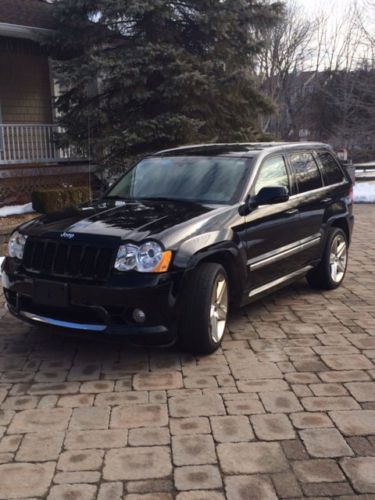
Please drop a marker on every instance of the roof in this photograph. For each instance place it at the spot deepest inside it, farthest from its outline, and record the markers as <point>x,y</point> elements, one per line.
<point>31,13</point>
<point>236,149</point>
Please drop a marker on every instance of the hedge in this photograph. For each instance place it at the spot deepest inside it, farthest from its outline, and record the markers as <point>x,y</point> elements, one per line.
<point>50,200</point>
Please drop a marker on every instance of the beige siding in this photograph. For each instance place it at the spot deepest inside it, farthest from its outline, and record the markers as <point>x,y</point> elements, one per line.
<point>25,92</point>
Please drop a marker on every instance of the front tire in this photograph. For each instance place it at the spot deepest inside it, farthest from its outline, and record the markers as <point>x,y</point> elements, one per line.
<point>205,310</point>
<point>330,273</point>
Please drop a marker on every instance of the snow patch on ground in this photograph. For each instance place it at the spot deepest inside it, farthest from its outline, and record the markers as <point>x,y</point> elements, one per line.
<point>364,192</point>
<point>16,210</point>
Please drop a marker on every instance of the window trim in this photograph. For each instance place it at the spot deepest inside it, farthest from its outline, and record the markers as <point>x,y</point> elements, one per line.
<point>321,189</point>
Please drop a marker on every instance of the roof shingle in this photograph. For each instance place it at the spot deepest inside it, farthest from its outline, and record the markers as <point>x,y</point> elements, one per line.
<point>33,13</point>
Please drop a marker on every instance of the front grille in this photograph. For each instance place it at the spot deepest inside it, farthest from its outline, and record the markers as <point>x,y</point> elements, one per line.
<point>70,259</point>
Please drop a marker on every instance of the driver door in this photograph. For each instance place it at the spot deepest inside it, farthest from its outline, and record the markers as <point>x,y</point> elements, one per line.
<point>272,234</point>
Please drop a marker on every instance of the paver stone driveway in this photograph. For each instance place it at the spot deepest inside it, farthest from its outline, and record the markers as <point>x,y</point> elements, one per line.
<point>286,409</point>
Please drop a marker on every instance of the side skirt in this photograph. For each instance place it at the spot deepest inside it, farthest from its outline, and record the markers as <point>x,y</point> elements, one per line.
<point>280,281</point>
<point>275,285</point>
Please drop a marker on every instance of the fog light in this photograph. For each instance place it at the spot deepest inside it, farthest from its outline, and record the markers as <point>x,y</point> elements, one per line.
<point>139,316</point>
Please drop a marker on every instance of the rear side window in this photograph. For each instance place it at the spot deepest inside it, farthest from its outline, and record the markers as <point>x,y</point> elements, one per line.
<point>307,171</point>
<point>332,171</point>
<point>273,173</point>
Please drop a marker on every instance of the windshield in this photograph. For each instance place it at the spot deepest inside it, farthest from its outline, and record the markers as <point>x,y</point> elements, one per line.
<point>216,180</point>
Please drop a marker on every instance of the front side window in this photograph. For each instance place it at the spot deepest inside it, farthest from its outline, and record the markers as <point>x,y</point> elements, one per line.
<point>331,168</point>
<point>217,180</point>
<point>273,173</point>
<point>307,171</point>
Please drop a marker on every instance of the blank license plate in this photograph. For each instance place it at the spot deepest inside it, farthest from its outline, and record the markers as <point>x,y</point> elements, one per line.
<point>50,293</point>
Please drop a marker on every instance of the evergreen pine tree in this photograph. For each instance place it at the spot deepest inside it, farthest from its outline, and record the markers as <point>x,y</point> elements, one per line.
<point>151,74</point>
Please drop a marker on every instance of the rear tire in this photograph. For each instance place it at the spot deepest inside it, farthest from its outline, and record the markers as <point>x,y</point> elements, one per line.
<point>204,319</point>
<point>330,273</point>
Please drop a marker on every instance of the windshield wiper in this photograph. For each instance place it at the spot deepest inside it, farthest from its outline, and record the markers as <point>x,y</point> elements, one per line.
<point>166,198</point>
<point>116,197</point>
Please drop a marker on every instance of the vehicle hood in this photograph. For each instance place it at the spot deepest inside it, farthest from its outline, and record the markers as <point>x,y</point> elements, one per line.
<point>130,220</point>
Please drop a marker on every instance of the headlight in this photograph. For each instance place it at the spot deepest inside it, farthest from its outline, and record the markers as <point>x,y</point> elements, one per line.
<point>126,258</point>
<point>16,245</point>
<point>149,257</point>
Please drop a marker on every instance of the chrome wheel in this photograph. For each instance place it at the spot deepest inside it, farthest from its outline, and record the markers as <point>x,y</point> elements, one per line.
<point>338,258</point>
<point>219,308</point>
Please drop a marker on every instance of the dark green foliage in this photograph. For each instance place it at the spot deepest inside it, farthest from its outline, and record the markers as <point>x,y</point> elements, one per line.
<point>48,200</point>
<point>150,74</point>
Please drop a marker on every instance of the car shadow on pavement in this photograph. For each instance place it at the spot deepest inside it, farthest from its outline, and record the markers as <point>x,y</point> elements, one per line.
<point>55,343</point>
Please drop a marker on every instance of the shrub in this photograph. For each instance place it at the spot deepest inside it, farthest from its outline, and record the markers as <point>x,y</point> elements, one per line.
<point>50,200</point>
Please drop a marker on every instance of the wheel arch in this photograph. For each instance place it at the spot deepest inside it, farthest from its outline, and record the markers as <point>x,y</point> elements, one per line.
<point>343,224</point>
<point>231,260</point>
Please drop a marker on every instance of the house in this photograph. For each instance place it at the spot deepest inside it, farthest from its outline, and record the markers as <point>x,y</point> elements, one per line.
<point>29,157</point>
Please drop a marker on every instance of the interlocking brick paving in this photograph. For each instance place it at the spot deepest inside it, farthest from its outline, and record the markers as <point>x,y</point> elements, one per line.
<point>286,409</point>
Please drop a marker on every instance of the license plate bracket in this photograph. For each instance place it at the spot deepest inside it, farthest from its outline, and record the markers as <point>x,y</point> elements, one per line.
<point>51,293</point>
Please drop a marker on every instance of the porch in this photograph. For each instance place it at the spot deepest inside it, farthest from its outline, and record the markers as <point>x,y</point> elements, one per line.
<point>33,144</point>
<point>31,159</point>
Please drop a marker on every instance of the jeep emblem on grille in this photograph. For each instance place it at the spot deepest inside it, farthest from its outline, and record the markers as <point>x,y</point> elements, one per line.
<point>68,236</point>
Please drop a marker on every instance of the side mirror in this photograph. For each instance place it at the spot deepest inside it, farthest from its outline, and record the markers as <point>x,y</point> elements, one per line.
<point>271,196</point>
<point>266,196</point>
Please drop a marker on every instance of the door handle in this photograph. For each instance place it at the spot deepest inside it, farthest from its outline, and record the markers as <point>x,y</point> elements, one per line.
<point>292,211</point>
<point>327,201</point>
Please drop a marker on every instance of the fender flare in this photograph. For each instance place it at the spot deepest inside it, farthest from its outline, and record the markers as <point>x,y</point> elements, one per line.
<point>231,257</point>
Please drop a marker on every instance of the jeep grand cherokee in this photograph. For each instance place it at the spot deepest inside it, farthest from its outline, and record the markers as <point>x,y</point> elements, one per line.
<point>182,236</point>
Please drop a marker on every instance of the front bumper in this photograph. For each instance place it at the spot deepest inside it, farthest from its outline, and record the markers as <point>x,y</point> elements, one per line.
<point>98,307</point>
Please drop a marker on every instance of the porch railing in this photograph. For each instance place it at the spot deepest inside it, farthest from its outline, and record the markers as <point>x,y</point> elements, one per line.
<point>32,143</point>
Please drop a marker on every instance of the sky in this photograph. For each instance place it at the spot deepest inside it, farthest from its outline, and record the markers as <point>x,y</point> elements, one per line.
<point>337,13</point>
<point>342,18</point>
<point>333,6</point>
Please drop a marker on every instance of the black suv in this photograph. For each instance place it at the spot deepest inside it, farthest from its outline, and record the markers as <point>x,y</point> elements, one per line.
<point>183,235</point>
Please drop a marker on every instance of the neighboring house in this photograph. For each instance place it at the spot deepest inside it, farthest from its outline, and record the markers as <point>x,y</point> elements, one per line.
<point>29,156</point>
